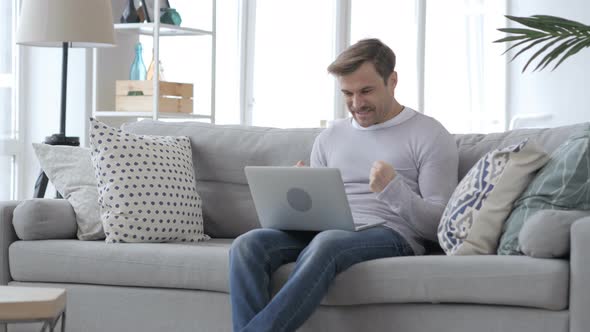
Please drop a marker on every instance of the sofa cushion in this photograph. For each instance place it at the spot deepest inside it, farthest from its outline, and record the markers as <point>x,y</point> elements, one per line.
<point>502,280</point>
<point>146,186</point>
<point>220,154</point>
<point>197,265</point>
<point>43,219</point>
<point>70,170</point>
<point>472,221</point>
<point>491,279</point>
<point>561,185</point>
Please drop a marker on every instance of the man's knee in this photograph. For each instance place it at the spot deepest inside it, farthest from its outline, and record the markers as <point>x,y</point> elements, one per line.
<point>330,239</point>
<point>326,245</point>
<point>244,242</point>
<point>251,242</point>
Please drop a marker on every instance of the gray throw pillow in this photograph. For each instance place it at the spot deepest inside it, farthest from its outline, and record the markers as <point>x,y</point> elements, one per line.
<point>562,184</point>
<point>70,170</point>
<point>44,219</point>
<point>546,234</point>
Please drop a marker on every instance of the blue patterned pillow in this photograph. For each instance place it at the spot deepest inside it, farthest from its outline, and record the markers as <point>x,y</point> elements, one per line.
<point>472,221</point>
<point>561,185</point>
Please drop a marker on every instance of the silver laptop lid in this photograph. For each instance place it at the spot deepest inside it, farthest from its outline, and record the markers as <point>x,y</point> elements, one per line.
<point>299,198</point>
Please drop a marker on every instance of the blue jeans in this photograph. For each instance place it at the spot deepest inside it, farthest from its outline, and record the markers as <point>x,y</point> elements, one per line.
<point>319,257</point>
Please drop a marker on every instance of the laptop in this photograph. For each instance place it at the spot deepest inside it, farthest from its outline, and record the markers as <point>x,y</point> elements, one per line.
<point>301,198</point>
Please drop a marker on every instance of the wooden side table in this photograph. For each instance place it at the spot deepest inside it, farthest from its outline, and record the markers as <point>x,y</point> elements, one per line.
<point>32,304</point>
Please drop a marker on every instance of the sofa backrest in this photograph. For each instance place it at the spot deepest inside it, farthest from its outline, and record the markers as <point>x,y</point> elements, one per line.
<point>220,153</point>
<point>473,146</point>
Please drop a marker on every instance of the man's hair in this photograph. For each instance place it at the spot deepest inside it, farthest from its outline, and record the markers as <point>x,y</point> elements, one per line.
<point>366,50</point>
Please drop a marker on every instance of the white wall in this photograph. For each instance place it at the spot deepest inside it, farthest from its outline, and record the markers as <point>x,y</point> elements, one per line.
<point>563,93</point>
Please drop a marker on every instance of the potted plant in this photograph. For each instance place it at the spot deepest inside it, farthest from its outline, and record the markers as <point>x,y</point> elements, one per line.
<point>568,38</point>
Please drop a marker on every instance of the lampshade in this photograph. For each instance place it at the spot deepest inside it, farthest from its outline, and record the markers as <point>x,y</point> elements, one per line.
<point>50,23</point>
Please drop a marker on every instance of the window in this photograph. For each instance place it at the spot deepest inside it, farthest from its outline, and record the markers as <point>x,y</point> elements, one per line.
<point>293,47</point>
<point>272,56</point>
<point>464,70</point>
<point>8,130</point>
<point>395,23</point>
<point>447,65</point>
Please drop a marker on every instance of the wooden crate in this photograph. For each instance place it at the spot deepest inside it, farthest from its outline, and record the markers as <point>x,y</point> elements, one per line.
<point>174,97</point>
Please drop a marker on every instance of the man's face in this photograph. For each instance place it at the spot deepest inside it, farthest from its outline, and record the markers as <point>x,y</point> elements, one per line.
<point>368,98</point>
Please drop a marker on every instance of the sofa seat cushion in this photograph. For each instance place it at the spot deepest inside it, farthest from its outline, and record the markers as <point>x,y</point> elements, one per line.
<point>502,280</point>
<point>199,265</point>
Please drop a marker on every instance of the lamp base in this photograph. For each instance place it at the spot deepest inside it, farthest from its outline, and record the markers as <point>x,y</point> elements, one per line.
<point>61,139</point>
<point>42,180</point>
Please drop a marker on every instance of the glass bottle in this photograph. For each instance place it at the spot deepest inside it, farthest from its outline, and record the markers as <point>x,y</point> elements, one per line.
<point>150,71</point>
<point>152,67</point>
<point>130,13</point>
<point>161,77</point>
<point>137,71</point>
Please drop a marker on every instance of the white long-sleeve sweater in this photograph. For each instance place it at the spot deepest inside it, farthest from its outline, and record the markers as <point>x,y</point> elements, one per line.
<point>424,156</point>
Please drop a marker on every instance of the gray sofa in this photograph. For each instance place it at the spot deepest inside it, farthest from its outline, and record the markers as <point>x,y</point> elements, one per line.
<point>184,287</point>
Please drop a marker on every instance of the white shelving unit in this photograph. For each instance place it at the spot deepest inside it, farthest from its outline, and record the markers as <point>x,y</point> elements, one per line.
<point>109,65</point>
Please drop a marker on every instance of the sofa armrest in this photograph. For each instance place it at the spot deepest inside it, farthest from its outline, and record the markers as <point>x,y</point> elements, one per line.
<point>580,276</point>
<point>7,236</point>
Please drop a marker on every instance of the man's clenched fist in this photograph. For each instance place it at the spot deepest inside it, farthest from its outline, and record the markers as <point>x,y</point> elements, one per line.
<point>381,174</point>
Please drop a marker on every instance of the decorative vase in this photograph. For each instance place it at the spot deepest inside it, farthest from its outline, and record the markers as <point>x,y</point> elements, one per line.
<point>130,13</point>
<point>137,71</point>
<point>170,16</point>
<point>140,13</point>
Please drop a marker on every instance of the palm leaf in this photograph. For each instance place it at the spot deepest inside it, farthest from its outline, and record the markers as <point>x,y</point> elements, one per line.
<point>511,38</point>
<point>543,49</point>
<point>574,36</point>
<point>546,19</point>
<point>524,49</point>
<point>542,22</point>
<point>528,40</point>
<point>573,50</point>
<point>554,54</point>
<point>531,22</point>
<point>527,32</point>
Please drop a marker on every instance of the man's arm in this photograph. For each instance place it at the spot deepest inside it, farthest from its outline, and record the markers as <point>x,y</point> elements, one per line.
<point>437,179</point>
<point>318,157</point>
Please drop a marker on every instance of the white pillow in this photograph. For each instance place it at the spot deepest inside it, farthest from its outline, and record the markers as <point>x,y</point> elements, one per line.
<point>70,170</point>
<point>146,186</point>
<point>472,221</point>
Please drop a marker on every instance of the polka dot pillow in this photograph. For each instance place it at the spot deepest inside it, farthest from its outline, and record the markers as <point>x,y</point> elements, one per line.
<point>146,187</point>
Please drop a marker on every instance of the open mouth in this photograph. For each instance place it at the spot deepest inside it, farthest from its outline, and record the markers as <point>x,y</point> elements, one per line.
<point>363,112</point>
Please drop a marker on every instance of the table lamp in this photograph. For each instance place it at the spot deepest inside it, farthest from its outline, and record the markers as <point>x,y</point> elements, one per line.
<point>65,24</point>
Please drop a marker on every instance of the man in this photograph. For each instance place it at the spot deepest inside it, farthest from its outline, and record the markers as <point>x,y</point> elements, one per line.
<point>397,165</point>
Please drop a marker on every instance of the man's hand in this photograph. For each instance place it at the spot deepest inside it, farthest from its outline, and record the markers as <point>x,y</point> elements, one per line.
<point>381,174</point>
<point>300,163</point>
